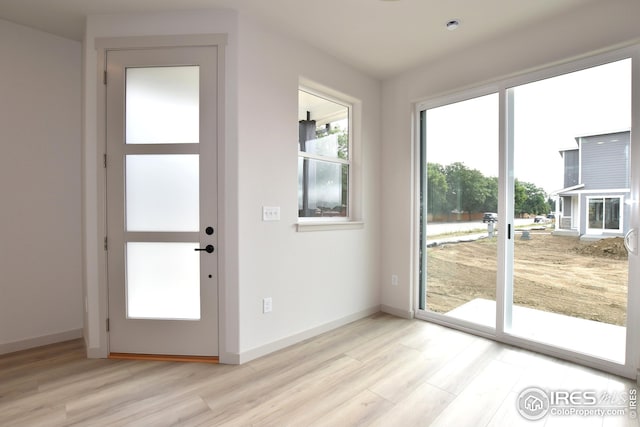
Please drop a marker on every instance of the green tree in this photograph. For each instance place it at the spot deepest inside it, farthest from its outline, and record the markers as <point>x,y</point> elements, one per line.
<point>436,189</point>
<point>457,188</point>
<point>491,201</point>
<point>536,201</point>
<point>552,204</point>
<point>467,188</point>
<point>519,197</point>
<point>530,199</point>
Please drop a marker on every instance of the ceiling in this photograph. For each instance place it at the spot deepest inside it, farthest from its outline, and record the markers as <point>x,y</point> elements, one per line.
<point>380,37</point>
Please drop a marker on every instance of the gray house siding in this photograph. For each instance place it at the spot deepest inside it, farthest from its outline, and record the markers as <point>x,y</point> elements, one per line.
<point>605,161</point>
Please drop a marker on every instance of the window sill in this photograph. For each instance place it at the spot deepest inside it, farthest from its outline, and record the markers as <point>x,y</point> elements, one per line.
<point>304,226</point>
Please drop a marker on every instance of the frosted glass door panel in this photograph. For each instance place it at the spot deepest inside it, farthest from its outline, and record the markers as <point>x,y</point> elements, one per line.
<point>162,105</point>
<point>163,281</point>
<point>162,192</point>
<point>162,294</point>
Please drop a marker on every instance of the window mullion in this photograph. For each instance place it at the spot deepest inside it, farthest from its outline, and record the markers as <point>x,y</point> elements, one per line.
<point>323,158</point>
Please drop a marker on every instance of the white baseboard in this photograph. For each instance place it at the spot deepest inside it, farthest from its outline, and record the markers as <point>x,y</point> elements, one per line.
<point>97,353</point>
<point>252,354</point>
<point>11,347</point>
<point>227,358</point>
<point>405,314</point>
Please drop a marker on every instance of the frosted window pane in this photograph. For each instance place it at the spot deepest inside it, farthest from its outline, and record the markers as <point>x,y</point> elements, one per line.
<point>325,191</point>
<point>162,105</point>
<point>163,192</point>
<point>323,146</point>
<point>163,281</point>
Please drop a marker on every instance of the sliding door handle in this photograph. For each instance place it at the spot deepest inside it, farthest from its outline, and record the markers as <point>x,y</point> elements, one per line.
<point>631,241</point>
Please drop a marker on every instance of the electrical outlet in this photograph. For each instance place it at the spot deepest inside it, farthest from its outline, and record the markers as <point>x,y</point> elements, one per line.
<point>394,280</point>
<point>267,305</point>
<point>271,213</point>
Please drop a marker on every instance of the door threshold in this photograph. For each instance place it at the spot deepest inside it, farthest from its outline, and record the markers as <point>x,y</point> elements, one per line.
<point>164,358</point>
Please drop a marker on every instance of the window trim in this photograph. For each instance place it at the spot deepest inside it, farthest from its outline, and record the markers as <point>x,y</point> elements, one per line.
<point>334,225</point>
<point>352,219</point>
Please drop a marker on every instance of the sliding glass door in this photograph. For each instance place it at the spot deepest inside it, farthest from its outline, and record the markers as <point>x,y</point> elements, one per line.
<point>527,197</point>
<point>460,170</point>
<point>571,145</point>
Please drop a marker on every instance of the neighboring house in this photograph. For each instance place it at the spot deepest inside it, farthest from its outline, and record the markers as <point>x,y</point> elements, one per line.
<point>596,186</point>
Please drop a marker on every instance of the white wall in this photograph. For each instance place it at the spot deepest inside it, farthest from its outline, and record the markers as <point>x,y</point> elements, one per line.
<point>595,27</point>
<point>40,182</point>
<point>318,279</point>
<point>314,278</point>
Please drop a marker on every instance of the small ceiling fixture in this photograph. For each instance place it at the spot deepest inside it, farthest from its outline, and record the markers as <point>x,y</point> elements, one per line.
<point>452,24</point>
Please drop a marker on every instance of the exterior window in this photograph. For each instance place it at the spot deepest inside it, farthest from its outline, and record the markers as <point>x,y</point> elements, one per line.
<point>324,158</point>
<point>604,213</point>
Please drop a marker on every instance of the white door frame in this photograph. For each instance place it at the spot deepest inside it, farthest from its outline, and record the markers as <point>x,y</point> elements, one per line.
<point>102,45</point>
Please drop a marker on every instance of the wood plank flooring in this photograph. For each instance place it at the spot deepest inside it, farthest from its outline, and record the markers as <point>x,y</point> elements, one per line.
<point>379,371</point>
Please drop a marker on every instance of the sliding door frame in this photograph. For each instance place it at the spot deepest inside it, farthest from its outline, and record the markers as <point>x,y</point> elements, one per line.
<point>504,293</point>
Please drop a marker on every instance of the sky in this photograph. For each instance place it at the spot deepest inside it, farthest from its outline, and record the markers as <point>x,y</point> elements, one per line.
<point>548,116</point>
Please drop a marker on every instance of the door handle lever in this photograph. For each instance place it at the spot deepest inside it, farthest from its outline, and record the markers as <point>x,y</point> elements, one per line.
<point>208,249</point>
<point>631,242</point>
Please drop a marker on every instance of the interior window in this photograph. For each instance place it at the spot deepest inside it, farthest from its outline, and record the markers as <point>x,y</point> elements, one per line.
<point>324,161</point>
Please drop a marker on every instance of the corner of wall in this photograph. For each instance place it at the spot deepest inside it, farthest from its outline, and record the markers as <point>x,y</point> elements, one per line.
<point>398,312</point>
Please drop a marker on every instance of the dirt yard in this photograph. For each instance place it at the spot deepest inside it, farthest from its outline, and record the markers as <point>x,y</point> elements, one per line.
<point>552,273</point>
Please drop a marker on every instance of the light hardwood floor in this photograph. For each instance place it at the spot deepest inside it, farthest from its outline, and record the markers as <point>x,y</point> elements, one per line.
<point>380,371</point>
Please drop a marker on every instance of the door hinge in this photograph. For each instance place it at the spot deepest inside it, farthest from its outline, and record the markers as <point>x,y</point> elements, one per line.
<point>104,77</point>
<point>106,246</point>
<point>104,159</point>
<point>107,324</point>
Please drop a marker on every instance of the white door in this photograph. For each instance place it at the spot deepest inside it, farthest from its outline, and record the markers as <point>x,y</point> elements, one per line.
<point>162,201</point>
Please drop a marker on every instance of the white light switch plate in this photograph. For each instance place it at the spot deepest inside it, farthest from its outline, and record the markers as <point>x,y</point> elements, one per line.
<point>267,305</point>
<point>271,213</point>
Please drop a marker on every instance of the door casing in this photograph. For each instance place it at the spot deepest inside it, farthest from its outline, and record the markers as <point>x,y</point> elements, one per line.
<point>97,313</point>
